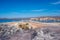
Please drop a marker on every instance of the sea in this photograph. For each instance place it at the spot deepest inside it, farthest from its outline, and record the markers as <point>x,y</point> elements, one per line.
<point>10,20</point>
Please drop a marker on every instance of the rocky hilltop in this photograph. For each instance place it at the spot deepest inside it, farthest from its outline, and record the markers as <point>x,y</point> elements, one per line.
<point>30,30</point>
<point>25,31</point>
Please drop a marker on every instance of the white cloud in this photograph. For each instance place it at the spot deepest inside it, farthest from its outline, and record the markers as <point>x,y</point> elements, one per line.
<point>34,10</point>
<point>38,10</point>
<point>56,3</point>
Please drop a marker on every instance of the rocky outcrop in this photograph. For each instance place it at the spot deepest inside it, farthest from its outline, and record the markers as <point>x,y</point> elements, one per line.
<point>47,34</point>
<point>8,32</point>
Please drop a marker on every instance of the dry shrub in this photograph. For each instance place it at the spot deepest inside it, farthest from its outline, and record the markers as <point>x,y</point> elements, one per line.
<point>24,26</point>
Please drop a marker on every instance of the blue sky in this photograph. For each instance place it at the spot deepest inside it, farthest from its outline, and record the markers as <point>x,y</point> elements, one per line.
<point>29,8</point>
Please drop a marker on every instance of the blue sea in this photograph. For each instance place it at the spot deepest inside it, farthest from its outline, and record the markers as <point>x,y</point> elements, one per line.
<point>8,20</point>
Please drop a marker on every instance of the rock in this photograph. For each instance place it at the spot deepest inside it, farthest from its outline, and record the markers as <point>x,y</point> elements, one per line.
<point>47,34</point>
<point>8,32</point>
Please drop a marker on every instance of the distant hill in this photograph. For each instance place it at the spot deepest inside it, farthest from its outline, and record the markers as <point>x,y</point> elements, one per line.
<point>36,18</point>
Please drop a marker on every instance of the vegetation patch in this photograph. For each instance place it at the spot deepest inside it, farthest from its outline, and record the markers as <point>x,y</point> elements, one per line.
<point>24,26</point>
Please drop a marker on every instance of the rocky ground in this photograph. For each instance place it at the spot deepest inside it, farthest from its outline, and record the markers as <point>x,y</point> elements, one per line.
<point>48,33</point>
<point>8,32</point>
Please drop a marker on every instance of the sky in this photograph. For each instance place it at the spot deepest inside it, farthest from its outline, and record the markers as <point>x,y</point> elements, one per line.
<point>29,8</point>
